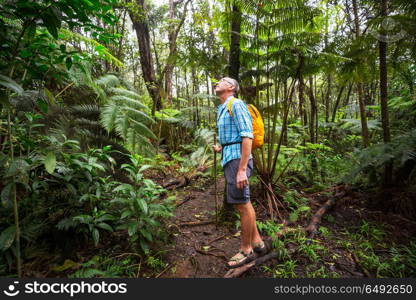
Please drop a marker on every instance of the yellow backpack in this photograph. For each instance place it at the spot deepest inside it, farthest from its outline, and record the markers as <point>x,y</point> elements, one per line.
<point>257,123</point>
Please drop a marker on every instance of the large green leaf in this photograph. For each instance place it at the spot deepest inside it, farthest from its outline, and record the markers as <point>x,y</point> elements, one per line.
<point>11,84</point>
<point>146,234</point>
<point>95,236</point>
<point>105,226</point>
<point>6,195</point>
<point>7,237</point>
<point>132,229</point>
<point>50,162</point>
<point>143,205</point>
<point>18,166</point>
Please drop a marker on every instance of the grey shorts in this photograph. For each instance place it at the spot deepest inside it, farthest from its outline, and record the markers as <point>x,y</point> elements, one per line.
<point>235,195</point>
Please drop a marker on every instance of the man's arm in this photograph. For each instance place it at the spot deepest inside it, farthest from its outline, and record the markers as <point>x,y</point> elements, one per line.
<point>217,148</point>
<point>242,179</point>
<point>243,122</point>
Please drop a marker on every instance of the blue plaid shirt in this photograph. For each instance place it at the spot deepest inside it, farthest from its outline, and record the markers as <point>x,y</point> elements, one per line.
<point>233,129</point>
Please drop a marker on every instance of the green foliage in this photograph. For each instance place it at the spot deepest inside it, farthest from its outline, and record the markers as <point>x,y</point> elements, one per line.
<point>124,113</point>
<point>140,207</point>
<point>371,160</point>
<point>285,270</point>
<point>297,204</point>
<point>102,266</point>
<point>379,256</point>
<point>71,191</point>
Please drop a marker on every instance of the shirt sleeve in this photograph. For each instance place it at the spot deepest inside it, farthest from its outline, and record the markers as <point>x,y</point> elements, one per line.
<point>242,119</point>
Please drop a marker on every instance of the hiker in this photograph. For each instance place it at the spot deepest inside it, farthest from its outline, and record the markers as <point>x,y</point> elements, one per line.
<point>236,136</point>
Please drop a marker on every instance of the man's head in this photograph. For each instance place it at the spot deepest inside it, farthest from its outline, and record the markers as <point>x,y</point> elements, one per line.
<point>227,85</point>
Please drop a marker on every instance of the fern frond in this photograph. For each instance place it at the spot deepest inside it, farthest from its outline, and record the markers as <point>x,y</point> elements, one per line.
<point>127,101</point>
<point>138,143</point>
<point>122,126</point>
<point>134,113</point>
<point>107,81</point>
<point>89,111</point>
<point>109,115</point>
<point>124,92</point>
<point>142,129</point>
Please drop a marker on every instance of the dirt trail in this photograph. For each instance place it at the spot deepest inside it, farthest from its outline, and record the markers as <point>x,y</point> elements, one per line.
<point>203,250</point>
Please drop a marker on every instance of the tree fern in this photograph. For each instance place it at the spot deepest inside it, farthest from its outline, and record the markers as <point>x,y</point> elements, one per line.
<point>107,81</point>
<point>128,102</point>
<point>109,115</point>
<point>401,150</point>
<point>124,113</point>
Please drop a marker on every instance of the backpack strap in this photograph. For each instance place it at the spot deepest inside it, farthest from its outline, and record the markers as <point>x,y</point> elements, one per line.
<point>229,106</point>
<point>227,144</point>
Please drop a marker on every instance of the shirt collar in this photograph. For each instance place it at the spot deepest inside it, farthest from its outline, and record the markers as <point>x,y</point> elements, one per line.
<point>226,100</point>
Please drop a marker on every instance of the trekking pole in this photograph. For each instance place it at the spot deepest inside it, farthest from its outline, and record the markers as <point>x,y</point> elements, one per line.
<point>215,180</point>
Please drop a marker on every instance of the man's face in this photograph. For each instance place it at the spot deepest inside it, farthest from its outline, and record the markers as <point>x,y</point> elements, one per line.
<point>223,85</point>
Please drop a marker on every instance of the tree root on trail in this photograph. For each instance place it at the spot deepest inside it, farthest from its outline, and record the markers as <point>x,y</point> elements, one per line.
<point>164,271</point>
<point>237,272</point>
<point>184,201</point>
<point>347,269</point>
<point>357,262</point>
<point>197,223</point>
<point>216,239</point>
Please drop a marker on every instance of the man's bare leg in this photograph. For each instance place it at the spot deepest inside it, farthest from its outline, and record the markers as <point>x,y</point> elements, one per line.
<point>246,219</point>
<point>249,232</point>
<point>255,236</point>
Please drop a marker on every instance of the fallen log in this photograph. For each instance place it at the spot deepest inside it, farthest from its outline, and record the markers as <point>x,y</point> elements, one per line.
<point>184,180</point>
<point>176,183</point>
<point>312,228</point>
<point>237,272</point>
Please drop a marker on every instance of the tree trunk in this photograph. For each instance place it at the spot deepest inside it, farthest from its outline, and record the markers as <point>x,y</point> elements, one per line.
<point>120,47</point>
<point>313,111</point>
<point>234,59</point>
<point>169,66</point>
<point>173,36</point>
<point>314,161</point>
<point>327,99</point>
<point>360,91</point>
<point>302,114</point>
<point>146,60</point>
<point>347,97</point>
<point>388,172</point>
<point>334,112</point>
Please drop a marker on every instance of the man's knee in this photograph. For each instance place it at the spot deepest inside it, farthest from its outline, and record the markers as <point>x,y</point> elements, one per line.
<point>243,208</point>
